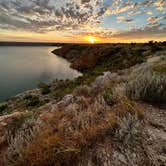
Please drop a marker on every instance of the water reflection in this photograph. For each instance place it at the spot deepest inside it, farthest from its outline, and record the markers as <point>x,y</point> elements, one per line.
<point>22,68</point>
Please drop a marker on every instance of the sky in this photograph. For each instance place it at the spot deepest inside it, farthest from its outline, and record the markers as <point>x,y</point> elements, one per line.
<point>80,21</point>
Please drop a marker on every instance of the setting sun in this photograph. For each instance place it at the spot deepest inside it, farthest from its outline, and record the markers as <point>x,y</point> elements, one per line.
<point>92,39</point>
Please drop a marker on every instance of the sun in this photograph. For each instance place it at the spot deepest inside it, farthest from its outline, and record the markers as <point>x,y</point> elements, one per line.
<point>91,39</point>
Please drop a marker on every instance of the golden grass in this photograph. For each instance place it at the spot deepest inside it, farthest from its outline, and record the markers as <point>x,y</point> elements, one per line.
<point>66,136</point>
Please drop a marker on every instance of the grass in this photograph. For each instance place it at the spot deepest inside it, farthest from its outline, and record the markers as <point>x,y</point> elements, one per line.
<point>14,126</point>
<point>66,136</point>
<point>160,68</point>
<point>147,86</point>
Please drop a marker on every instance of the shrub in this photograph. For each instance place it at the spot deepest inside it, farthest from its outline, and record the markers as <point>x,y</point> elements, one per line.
<point>45,89</point>
<point>109,99</point>
<point>129,129</point>
<point>28,97</point>
<point>16,124</point>
<point>147,86</point>
<point>32,101</point>
<point>3,108</point>
<point>161,68</point>
<point>65,136</point>
<point>20,133</point>
<point>83,91</point>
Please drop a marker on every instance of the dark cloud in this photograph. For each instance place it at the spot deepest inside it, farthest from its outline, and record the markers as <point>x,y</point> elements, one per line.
<point>85,1</point>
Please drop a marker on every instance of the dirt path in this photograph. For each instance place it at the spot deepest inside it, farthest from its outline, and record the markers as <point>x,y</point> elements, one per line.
<point>155,135</point>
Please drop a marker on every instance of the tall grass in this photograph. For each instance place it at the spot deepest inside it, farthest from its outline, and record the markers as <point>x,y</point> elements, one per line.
<point>146,84</point>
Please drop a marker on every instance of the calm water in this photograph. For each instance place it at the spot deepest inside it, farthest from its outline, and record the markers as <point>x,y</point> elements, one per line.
<point>23,68</point>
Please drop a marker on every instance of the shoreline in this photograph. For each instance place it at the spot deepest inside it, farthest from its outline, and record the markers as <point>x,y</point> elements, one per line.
<point>107,58</point>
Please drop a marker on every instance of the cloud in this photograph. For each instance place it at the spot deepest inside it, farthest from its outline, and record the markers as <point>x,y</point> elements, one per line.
<point>43,15</point>
<point>155,31</point>
<point>155,19</point>
<point>123,19</point>
<point>152,19</point>
<point>149,13</point>
<point>160,5</point>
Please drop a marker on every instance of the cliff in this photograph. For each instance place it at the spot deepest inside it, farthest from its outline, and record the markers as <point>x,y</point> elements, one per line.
<point>83,57</point>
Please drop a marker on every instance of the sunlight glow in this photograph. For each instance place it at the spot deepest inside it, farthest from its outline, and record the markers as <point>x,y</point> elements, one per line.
<point>91,39</point>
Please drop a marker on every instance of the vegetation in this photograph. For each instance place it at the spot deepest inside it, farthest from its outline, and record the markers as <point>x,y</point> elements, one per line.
<point>148,82</point>
<point>161,67</point>
<point>3,108</point>
<point>32,100</point>
<point>67,136</point>
<point>45,89</point>
<point>16,124</point>
<point>109,99</point>
<point>148,87</point>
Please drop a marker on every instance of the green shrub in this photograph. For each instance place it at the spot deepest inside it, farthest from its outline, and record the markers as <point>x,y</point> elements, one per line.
<point>3,107</point>
<point>45,89</point>
<point>32,101</point>
<point>27,97</point>
<point>109,99</point>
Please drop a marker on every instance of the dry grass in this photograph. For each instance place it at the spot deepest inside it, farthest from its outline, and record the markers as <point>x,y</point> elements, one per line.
<point>147,82</point>
<point>65,136</point>
<point>149,87</point>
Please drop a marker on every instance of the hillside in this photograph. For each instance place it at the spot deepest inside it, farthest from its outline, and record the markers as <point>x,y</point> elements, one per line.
<point>113,115</point>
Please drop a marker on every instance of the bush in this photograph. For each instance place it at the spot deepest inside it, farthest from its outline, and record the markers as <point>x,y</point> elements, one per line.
<point>32,101</point>
<point>45,89</point>
<point>16,124</point>
<point>109,99</point>
<point>129,129</point>
<point>148,86</point>
<point>19,134</point>
<point>63,136</point>
<point>161,68</point>
<point>83,91</point>
<point>3,108</point>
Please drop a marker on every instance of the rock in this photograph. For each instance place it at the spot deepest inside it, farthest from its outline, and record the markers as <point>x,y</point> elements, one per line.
<point>104,79</point>
<point>83,56</point>
<point>7,118</point>
<point>68,99</point>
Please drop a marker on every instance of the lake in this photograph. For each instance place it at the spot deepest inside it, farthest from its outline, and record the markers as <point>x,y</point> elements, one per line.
<point>23,68</point>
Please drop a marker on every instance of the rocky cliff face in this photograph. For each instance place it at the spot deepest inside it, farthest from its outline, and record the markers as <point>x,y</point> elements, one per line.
<point>84,56</point>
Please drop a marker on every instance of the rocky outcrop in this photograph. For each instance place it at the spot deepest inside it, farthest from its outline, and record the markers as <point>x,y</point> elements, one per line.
<point>84,56</point>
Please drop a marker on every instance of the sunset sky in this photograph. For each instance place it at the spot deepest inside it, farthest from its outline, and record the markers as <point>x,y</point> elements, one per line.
<point>78,20</point>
